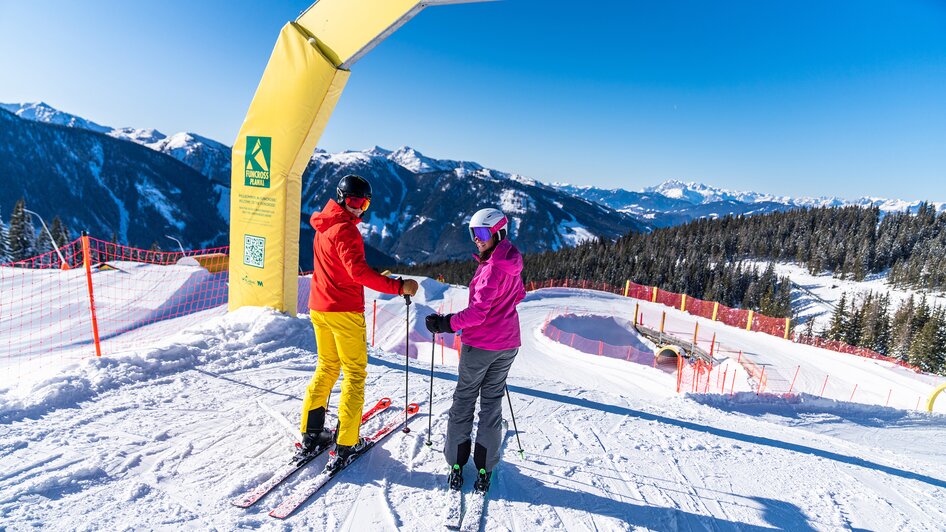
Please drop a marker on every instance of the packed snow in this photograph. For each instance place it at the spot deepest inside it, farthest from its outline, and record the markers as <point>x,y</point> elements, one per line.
<point>165,437</point>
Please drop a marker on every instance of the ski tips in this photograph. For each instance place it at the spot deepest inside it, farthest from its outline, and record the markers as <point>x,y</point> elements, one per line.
<point>413,408</point>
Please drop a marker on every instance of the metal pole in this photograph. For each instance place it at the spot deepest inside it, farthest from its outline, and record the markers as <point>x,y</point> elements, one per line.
<point>407,365</point>
<point>430,400</point>
<point>178,244</point>
<point>50,235</point>
<point>513,414</point>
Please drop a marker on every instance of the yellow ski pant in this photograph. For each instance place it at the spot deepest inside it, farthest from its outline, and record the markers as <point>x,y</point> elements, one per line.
<point>340,339</point>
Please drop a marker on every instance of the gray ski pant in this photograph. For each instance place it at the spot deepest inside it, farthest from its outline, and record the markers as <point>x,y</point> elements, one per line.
<point>482,374</point>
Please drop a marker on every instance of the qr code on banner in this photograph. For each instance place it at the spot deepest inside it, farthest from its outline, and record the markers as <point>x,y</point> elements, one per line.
<point>254,250</point>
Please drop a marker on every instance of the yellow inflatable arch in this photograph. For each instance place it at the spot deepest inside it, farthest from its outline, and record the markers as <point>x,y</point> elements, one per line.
<point>303,80</point>
<point>936,392</point>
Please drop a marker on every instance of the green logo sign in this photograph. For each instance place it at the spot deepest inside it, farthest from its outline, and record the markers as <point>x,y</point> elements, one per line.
<point>258,156</point>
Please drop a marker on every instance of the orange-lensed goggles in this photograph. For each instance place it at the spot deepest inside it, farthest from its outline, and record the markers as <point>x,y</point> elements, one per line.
<point>358,203</point>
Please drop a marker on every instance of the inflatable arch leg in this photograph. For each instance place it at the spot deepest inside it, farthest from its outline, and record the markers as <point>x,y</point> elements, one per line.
<point>293,102</point>
<point>936,392</point>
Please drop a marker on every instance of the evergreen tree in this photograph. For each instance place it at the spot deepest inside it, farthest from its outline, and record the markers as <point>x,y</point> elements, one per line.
<point>4,243</point>
<point>60,232</point>
<point>838,326</point>
<point>21,234</point>
<point>927,348</point>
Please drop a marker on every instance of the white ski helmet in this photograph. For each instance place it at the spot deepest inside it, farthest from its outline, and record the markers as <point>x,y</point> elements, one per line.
<point>492,220</point>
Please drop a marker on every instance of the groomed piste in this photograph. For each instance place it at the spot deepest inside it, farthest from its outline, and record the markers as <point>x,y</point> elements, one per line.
<point>165,437</point>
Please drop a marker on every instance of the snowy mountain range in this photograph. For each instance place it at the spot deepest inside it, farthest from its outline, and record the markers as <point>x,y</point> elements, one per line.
<point>413,217</point>
<point>416,219</point>
<point>674,201</point>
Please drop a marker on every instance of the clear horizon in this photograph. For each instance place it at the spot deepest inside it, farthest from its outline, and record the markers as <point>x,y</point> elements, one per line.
<point>809,100</point>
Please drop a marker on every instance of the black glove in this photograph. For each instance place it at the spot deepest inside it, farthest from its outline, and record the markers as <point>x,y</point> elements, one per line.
<point>438,323</point>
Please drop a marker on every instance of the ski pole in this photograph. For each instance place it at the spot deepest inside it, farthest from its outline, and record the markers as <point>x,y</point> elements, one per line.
<point>513,414</point>
<point>407,365</point>
<point>430,402</point>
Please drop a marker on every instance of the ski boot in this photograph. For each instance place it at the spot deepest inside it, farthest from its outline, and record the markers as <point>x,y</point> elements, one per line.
<point>481,484</point>
<point>314,443</point>
<point>455,478</point>
<point>344,454</point>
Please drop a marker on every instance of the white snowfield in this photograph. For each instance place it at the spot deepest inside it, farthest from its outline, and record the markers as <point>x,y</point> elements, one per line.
<point>164,438</point>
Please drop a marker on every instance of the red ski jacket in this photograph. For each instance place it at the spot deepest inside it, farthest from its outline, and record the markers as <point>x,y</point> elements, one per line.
<point>341,272</point>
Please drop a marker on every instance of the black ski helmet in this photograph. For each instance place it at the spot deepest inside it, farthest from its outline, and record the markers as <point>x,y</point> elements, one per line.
<point>352,186</point>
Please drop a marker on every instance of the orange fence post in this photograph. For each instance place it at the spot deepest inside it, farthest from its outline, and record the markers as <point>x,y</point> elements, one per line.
<point>696,331</point>
<point>823,386</point>
<point>722,389</point>
<point>712,343</point>
<point>683,302</point>
<point>654,297</point>
<point>739,360</point>
<point>851,400</point>
<point>715,309</point>
<point>888,397</point>
<point>637,308</point>
<point>749,322</point>
<point>87,262</point>
<point>680,373</point>
<point>600,348</point>
<point>761,381</point>
<point>732,387</point>
<point>374,320</point>
<point>788,324</point>
<point>663,320</point>
<point>627,287</point>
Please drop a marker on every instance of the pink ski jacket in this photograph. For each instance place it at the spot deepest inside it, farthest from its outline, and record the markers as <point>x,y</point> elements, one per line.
<point>490,320</point>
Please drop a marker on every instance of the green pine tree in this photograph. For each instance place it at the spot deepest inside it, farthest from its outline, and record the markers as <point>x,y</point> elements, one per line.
<point>839,319</point>
<point>21,234</point>
<point>4,243</point>
<point>60,232</point>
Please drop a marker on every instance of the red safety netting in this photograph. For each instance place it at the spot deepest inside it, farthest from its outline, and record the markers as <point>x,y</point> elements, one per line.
<point>670,299</point>
<point>701,308</point>
<point>571,283</point>
<point>700,377</point>
<point>773,326</point>
<point>639,291</point>
<point>732,316</point>
<point>105,302</point>
<point>842,347</point>
<point>45,319</point>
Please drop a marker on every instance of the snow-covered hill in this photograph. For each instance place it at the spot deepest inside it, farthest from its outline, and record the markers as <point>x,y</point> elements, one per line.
<point>165,437</point>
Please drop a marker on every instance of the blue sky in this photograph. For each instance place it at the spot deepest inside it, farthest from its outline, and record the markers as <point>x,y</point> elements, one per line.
<point>797,98</point>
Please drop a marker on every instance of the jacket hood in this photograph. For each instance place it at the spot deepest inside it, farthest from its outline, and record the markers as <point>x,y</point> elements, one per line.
<point>332,214</point>
<point>506,257</point>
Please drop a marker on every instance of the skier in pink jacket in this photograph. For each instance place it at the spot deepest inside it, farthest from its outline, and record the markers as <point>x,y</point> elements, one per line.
<point>491,340</point>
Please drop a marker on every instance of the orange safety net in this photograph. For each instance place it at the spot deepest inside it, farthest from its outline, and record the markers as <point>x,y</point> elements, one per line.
<point>103,300</point>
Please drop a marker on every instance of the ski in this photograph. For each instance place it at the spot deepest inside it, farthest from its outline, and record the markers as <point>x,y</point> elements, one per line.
<point>454,514</point>
<point>310,488</point>
<point>253,495</point>
<point>470,518</point>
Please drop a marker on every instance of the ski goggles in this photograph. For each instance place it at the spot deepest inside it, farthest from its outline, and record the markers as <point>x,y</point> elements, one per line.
<point>358,203</point>
<point>483,234</point>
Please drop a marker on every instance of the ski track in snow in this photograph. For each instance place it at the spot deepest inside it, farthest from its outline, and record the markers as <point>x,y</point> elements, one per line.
<point>164,439</point>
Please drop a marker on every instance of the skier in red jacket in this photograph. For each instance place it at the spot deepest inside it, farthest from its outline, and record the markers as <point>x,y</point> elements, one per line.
<point>337,310</point>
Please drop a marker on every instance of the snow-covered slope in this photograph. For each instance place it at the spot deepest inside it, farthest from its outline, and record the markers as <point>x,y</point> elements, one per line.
<point>165,437</point>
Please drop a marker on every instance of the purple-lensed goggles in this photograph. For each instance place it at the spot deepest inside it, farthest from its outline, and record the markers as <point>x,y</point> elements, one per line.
<point>483,234</point>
